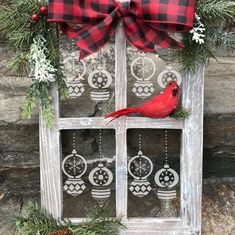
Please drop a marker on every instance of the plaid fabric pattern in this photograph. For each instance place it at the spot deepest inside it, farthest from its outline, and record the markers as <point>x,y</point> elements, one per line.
<point>146,23</point>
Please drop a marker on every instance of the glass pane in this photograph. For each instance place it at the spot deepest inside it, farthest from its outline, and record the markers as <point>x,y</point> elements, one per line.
<point>153,173</point>
<point>88,168</point>
<point>91,82</point>
<point>148,74</point>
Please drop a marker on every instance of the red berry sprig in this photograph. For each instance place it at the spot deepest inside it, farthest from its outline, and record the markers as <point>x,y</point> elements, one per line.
<point>43,10</point>
<point>35,17</point>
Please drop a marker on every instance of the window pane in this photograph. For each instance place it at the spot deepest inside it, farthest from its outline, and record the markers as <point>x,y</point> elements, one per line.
<point>153,173</point>
<point>148,74</point>
<point>88,168</point>
<point>91,81</point>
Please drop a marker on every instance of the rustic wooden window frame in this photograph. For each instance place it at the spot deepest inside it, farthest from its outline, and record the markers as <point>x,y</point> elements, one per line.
<point>189,221</point>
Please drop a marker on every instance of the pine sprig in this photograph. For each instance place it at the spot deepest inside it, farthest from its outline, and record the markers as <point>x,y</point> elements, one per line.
<point>47,111</point>
<point>222,39</point>
<point>100,222</point>
<point>62,86</point>
<point>213,11</point>
<point>213,14</point>
<point>20,32</point>
<point>30,101</point>
<point>41,92</point>
<point>193,54</point>
<point>181,113</point>
<point>38,221</point>
<point>20,64</point>
<point>16,24</point>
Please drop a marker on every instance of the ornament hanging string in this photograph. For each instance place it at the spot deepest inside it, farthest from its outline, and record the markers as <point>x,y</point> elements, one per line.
<point>140,143</point>
<point>74,140</point>
<point>145,23</point>
<point>100,145</point>
<point>166,146</point>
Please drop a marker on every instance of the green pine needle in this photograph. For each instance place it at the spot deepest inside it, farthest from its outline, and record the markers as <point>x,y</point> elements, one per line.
<point>213,14</point>
<point>39,91</point>
<point>100,222</point>
<point>181,113</point>
<point>222,39</point>
<point>63,89</point>
<point>19,30</point>
<point>38,221</point>
<point>193,54</point>
<point>20,64</point>
<point>214,11</point>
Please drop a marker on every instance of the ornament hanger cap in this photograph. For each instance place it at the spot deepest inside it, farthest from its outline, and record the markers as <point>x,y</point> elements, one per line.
<point>100,165</point>
<point>166,166</point>
<point>169,67</point>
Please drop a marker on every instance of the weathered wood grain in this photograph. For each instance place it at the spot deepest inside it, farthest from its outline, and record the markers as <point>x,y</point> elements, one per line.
<point>50,163</point>
<point>121,138</point>
<point>192,147</point>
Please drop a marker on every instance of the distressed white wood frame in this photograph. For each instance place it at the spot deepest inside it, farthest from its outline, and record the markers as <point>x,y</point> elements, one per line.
<point>189,221</point>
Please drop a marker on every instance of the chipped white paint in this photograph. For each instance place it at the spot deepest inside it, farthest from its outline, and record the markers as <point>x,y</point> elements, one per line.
<point>189,222</point>
<point>50,162</point>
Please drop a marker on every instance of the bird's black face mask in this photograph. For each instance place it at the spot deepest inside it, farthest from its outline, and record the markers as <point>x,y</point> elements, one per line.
<point>174,92</point>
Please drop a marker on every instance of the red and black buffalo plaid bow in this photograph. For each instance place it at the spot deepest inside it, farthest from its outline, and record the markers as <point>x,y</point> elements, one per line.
<point>145,22</point>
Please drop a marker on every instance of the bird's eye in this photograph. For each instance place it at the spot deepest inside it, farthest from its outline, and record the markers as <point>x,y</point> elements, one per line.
<point>174,92</point>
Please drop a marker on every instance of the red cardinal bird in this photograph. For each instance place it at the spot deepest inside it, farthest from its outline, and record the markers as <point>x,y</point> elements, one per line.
<point>160,106</point>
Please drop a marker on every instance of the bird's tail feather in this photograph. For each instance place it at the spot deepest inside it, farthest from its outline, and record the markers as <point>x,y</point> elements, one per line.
<point>122,112</point>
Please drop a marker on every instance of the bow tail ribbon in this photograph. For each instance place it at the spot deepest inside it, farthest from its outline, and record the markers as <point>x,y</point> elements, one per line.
<point>135,34</point>
<point>159,37</point>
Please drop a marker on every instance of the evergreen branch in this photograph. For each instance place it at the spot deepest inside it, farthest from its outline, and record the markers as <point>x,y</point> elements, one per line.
<point>47,111</point>
<point>30,101</point>
<point>20,31</point>
<point>63,89</point>
<point>17,27</point>
<point>181,113</point>
<point>39,91</point>
<point>20,64</point>
<point>45,98</point>
<point>52,43</point>
<point>193,54</point>
<point>38,221</point>
<point>100,222</point>
<point>222,39</point>
<point>212,11</point>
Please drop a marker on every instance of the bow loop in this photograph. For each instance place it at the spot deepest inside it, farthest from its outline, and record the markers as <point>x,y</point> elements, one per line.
<point>146,23</point>
<point>123,8</point>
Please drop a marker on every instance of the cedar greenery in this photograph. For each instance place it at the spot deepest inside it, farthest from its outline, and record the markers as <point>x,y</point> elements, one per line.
<point>19,30</point>
<point>38,222</point>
